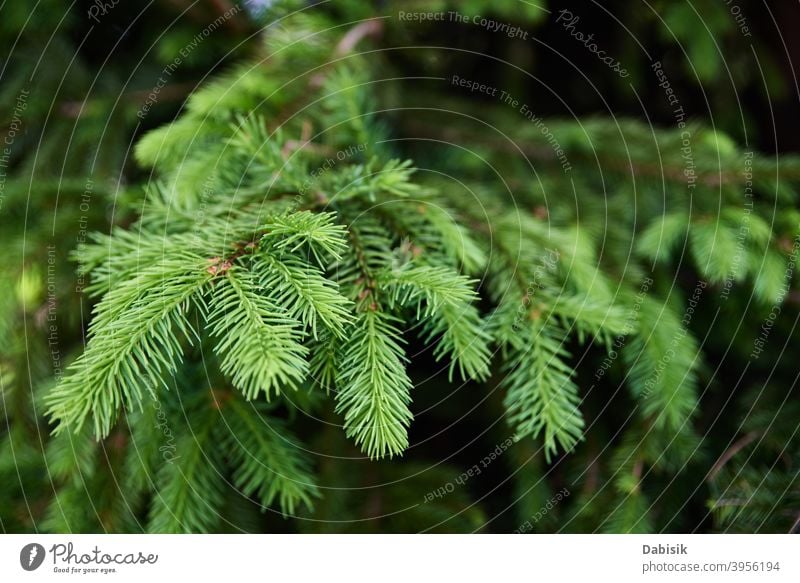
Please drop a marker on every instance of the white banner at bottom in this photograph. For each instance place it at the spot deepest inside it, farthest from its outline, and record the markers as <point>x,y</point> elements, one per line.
<point>400,558</point>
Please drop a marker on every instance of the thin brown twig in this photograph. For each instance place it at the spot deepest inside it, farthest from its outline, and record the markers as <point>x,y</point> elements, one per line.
<point>346,45</point>
<point>796,525</point>
<point>355,35</point>
<point>546,154</point>
<point>739,445</point>
<point>174,92</point>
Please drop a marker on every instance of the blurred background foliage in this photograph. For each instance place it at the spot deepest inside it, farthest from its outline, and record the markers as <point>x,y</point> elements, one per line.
<point>74,96</point>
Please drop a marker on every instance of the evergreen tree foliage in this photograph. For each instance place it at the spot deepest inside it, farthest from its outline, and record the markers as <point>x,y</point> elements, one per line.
<point>309,260</point>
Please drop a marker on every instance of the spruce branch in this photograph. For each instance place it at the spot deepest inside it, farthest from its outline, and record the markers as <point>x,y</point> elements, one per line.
<point>190,489</point>
<point>134,342</point>
<point>373,387</point>
<point>303,291</point>
<point>259,343</point>
<point>324,238</point>
<point>268,459</point>
<point>662,360</point>
<point>541,397</point>
<point>443,299</point>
